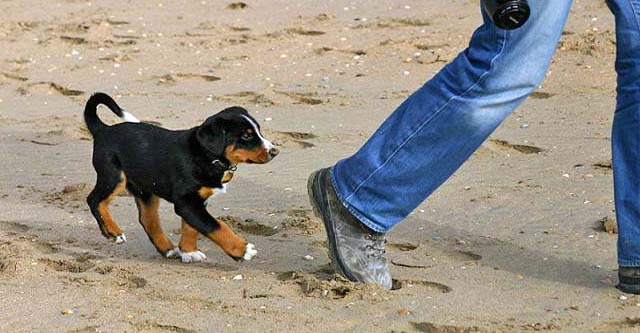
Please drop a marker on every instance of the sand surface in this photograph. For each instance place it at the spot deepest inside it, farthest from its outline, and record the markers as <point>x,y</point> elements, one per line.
<point>509,244</point>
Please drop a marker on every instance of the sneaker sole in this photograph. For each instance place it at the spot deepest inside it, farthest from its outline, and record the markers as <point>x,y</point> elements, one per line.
<point>629,288</point>
<point>331,238</point>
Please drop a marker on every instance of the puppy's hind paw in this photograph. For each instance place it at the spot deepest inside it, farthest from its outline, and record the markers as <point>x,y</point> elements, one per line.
<point>120,239</point>
<point>250,252</point>
<point>195,256</point>
<point>174,253</point>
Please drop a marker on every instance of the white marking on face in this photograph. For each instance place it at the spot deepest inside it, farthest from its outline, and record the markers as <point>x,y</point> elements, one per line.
<point>128,117</point>
<point>265,143</point>
<point>216,191</point>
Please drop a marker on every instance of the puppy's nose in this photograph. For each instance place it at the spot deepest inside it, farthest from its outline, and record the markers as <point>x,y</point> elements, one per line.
<point>274,152</point>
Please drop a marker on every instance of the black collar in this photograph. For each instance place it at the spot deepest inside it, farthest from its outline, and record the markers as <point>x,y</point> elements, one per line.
<point>224,165</point>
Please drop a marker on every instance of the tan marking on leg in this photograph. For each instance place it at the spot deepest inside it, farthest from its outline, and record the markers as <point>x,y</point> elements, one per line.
<point>150,220</point>
<point>103,207</point>
<point>189,239</point>
<point>205,192</point>
<point>230,243</point>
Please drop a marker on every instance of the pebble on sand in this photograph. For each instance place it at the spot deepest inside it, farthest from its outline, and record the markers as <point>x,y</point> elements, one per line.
<point>67,312</point>
<point>404,312</point>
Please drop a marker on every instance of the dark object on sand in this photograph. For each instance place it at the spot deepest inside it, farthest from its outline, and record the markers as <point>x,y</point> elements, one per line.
<point>507,14</point>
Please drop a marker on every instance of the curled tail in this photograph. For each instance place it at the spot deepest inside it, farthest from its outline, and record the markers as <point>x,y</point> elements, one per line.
<point>90,112</point>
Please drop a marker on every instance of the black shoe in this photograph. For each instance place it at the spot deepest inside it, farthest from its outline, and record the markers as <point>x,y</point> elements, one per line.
<point>355,251</point>
<point>629,278</point>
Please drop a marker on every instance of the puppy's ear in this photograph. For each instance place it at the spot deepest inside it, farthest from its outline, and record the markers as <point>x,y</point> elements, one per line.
<point>211,135</point>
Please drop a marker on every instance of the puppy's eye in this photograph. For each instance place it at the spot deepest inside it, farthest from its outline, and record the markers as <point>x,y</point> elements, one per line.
<point>246,137</point>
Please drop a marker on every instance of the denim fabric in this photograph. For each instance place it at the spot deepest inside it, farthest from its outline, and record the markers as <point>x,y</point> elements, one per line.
<point>625,143</point>
<point>436,129</point>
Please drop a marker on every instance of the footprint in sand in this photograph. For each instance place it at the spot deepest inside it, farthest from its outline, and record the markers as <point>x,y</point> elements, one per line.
<point>249,226</point>
<point>68,266</point>
<point>433,328</point>
<point>325,49</point>
<point>301,220</point>
<point>405,258</point>
<point>97,32</point>
<point>404,247</point>
<point>332,288</point>
<point>291,32</point>
<point>15,77</point>
<point>631,322</point>
<point>120,277</point>
<point>157,327</point>
<point>420,284</point>
<point>392,23</point>
<point>245,97</point>
<point>117,57</point>
<point>172,79</point>
<point>14,227</point>
<point>465,256</point>
<point>73,40</point>
<point>49,88</point>
<point>8,253</point>
<point>290,139</point>
<point>303,98</point>
<point>503,146</point>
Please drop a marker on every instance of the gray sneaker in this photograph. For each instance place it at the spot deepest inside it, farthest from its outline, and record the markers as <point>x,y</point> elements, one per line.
<point>355,251</point>
<point>629,279</point>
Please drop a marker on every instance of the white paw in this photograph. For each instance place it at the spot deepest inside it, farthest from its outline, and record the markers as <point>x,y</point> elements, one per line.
<point>196,256</point>
<point>250,252</point>
<point>173,254</point>
<point>121,239</point>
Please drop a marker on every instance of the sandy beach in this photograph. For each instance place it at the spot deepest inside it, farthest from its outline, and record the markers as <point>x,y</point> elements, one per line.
<point>513,242</point>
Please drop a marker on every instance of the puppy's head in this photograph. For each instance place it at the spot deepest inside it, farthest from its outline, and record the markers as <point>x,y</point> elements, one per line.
<point>235,135</point>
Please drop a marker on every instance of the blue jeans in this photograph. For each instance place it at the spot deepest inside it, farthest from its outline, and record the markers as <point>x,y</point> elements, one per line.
<point>437,128</point>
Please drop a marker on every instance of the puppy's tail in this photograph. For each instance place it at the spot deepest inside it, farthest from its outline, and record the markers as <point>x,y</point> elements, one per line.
<point>90,112</point>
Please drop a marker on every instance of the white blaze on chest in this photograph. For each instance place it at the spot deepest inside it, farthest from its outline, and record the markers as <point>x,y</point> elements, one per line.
<point>216,191</point>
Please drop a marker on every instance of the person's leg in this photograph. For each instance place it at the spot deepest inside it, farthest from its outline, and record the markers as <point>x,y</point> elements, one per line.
<point>626,141</point>
<point>437,128</point>
<point>428,137</point>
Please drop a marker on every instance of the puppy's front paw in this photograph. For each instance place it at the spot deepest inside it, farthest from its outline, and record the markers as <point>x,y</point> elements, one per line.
<point>195,256</point>
<point>174,253</point>
<point>120,239</point>
<point>249,252</point>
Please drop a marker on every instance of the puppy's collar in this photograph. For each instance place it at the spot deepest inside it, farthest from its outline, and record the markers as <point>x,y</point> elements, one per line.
<point>224,166</point>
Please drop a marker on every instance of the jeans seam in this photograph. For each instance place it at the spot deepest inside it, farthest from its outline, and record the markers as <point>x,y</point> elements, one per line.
<point>436,113</point>
<point>366,221</point>
<point>635,6</point>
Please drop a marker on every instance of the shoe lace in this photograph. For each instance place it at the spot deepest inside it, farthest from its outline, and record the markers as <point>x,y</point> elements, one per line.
<point>376,246</point>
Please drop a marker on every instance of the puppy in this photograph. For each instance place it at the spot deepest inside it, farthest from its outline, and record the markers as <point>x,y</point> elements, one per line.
<point>184,167</point>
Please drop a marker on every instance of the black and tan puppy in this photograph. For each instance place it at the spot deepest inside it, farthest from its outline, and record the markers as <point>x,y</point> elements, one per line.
<point>184,167</point>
